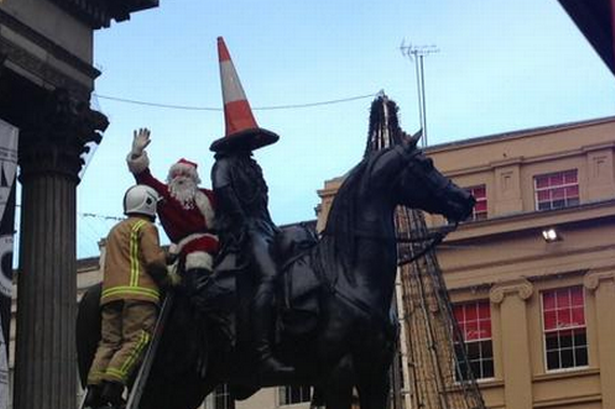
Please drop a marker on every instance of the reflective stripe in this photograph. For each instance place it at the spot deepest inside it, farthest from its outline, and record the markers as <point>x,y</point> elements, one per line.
<point>122,373</point>
<point>134,253</point>
<point>129,363</point>
<point>115,374</point>
<point>128,290</point>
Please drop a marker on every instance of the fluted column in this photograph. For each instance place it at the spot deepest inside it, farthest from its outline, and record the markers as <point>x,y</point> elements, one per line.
<point>511,297</point>
<point>49,156</point>
<point>602,284</point>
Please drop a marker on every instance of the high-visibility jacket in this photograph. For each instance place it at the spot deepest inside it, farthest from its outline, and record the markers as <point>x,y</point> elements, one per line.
<point>134,262</point>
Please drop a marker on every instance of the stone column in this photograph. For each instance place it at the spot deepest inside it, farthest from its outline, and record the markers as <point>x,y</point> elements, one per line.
<point>602,284</point>
<point>49,155</point>
<point>511,297</point>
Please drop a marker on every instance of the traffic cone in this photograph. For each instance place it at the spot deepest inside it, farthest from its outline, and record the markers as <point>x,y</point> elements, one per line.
<point>242,131</point>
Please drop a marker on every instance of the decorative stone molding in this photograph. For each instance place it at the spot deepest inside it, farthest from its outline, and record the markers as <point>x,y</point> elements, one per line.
<point>56,136</point>
<point>521,287</point>
<point>42,70</point>
<point>98,14</point>
<point>50,46</point>
<point>592,279</point>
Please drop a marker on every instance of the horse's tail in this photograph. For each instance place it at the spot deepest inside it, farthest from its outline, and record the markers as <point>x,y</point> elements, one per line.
<point>88,330</point>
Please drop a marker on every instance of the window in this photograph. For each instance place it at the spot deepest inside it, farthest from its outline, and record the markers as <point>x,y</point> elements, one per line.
<point>289,395</point>
<point>474,321</point>
<point>222,397</point>
<point>480,208</point>
<point>563,312</point>
<point>556,190</point>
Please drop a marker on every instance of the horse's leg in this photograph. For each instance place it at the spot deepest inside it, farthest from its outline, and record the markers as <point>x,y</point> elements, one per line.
<point>337,395</point>
<point>373,382</point>
<point>182,392</point>
<point>374,391</point>
<point>88,330</point>
<point>336,388</point>
<point>174,381</point>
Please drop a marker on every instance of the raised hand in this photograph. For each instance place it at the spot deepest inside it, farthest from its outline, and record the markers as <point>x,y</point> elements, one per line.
<point>140,141</point>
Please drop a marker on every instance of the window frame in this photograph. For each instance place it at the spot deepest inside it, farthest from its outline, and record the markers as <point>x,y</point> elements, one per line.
<point>285,394</point>
<point>222,392</point>
<point>477,341</point>
<point>549,189</point>
<point>545,331</point>
<point>473,217</point>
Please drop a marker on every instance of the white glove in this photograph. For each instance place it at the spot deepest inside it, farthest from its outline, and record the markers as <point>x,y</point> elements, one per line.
<point>173,277</point>
<point>140,141</point>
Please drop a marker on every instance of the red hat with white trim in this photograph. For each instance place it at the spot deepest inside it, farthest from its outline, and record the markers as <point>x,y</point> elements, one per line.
<point>186,168</point>
<point>187,162</point>
<point>242,132</point>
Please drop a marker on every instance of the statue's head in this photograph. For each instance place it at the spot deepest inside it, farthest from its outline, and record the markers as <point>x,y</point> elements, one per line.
<point>421,185</point>
<point>183,180</point>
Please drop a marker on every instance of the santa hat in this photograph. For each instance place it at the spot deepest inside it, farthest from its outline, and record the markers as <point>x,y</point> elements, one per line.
<point>242,132</point>
<point>186,167</point>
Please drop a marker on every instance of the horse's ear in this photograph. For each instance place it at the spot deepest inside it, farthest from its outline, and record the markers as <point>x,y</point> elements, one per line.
<point>417,136</point>
<point>412,140</point>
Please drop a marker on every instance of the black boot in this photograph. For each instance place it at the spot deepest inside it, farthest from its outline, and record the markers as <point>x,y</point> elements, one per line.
<point>92,397</point>
<point>111,395</point>
<point>270,369</point>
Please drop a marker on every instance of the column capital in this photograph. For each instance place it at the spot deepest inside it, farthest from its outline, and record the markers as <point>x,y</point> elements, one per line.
<point>593,278</point>
<point>55,137</point>
<point>520,287</point>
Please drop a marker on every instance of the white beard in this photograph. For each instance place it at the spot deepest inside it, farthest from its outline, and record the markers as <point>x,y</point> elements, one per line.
<point>183,189</point>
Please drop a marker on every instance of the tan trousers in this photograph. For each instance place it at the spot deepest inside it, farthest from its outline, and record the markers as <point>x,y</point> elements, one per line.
<point>127,327</point>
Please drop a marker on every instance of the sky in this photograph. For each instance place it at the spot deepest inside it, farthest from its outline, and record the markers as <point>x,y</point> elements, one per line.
<point>501,65</point>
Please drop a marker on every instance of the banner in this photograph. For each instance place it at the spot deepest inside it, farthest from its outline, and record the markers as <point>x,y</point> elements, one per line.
<point>8,170</point>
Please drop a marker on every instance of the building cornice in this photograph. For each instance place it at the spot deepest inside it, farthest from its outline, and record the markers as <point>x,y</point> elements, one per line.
<point>583,150</point>
<point>57,51</point>
<point>497,138</point>
<point>31,67</point>
<point>534,220</point>
<point>99,13</point>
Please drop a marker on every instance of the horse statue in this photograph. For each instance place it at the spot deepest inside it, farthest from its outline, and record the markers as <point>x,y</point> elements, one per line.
<point>336,325</point>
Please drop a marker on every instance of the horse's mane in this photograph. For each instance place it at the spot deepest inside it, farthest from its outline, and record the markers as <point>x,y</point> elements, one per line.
<point>338,246</point>
<point>339,236</point>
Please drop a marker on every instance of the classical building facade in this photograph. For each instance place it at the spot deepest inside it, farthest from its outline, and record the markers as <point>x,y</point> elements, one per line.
<point>46,79</point>
<point>532,274</point>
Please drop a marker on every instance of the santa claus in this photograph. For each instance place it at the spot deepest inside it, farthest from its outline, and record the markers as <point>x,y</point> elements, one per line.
<point>186,211</point>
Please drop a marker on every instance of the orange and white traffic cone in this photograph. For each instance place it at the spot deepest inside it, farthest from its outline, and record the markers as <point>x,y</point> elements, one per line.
<point>242,131</point>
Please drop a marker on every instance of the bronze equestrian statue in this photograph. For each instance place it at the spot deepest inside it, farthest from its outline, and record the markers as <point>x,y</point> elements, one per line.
<point>337,326</point>
<point>324,314</point>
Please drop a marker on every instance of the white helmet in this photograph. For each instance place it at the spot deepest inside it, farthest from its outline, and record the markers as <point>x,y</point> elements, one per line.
<point>141,199</point>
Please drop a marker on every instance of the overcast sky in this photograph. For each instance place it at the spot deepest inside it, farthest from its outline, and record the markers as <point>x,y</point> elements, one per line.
<point>502,65</point>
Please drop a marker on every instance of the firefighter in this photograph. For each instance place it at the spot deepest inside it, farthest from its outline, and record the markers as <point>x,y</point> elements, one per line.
<point>134,271</point>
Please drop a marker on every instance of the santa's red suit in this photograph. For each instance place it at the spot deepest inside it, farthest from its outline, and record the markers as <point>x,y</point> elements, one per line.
<point>189,225</point>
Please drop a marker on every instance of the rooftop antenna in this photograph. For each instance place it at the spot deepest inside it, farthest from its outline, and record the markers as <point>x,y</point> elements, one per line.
<point>417,53</point>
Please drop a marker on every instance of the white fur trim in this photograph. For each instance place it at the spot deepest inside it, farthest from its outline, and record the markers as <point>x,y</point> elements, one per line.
<point>137,164</point>
<point>204,206</point>
<point>179,246</point>
<point>199,259</point>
